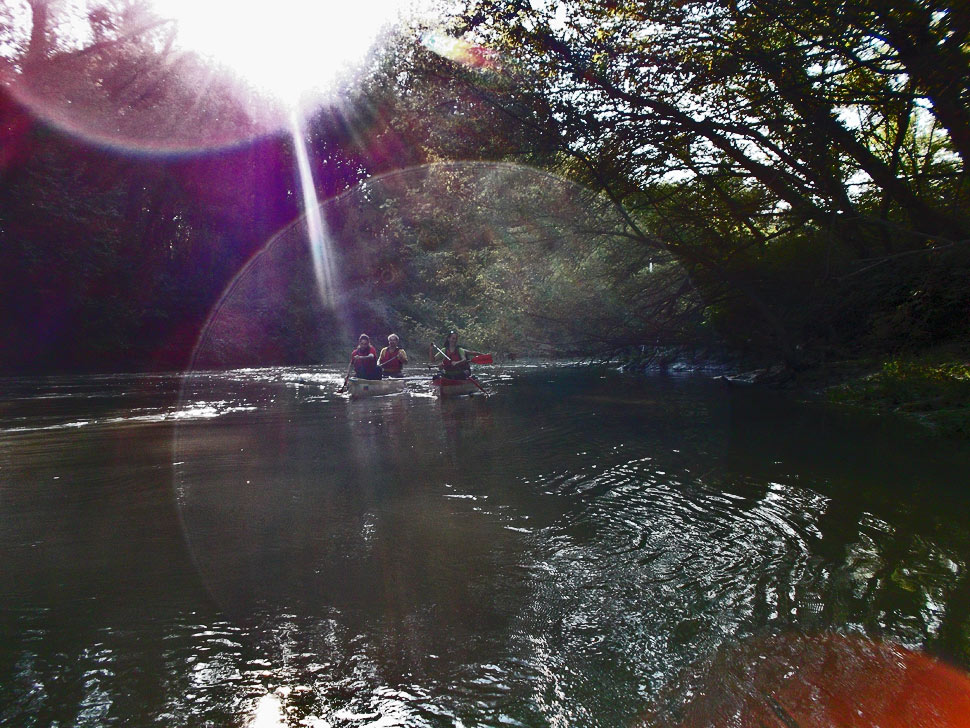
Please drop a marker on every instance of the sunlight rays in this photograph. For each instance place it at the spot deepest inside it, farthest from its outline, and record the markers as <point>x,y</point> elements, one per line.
<point>321,245</point>
<point>173,76</point>
<point>291,49</point>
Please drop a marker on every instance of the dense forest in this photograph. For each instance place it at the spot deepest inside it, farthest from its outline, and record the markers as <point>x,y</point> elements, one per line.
<point>766,182</point>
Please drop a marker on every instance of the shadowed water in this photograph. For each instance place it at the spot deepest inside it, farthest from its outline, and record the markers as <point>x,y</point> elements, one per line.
<point>581,548</point>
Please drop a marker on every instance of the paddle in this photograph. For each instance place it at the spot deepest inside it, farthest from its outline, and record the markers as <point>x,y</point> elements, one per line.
<point>347,378</point>
<point>486,359</point>
<point>477,359</point>
<point>475,382</point>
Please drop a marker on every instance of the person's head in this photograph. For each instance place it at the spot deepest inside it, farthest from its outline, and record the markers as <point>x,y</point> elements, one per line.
<point>363,342</point>
<point>393,341</point>
<point>451,340</point>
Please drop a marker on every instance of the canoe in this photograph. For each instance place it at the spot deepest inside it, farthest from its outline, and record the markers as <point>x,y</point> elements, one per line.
<point>454,387</point>
<point>374,387</point>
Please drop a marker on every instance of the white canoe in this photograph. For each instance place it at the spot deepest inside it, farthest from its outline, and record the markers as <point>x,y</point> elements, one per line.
<point>374,387</point>
<point>454,387</point>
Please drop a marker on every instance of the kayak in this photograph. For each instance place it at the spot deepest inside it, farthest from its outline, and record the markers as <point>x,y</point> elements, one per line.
<point>374,387</point>
<point>454,387</point>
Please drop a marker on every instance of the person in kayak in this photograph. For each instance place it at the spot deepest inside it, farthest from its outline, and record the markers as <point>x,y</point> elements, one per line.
<point>453,360</point>
<point>392,357</point>
<point>363,359</point>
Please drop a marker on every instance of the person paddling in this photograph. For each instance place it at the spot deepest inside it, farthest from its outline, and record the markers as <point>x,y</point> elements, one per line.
<point>454,360</point>
<point>392,357</point>
<point>363,359</point>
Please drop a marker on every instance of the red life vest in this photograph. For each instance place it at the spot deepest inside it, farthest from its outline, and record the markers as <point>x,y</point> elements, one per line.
<point>391,364</point>
<point>454,357</point>
<point>366,368</point>
<point>455,364</point>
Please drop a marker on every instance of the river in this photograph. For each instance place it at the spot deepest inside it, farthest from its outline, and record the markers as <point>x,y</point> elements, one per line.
<point>581,548</point>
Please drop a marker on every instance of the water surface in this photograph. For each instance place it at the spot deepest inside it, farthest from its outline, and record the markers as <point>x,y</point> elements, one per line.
<point>580,548</point>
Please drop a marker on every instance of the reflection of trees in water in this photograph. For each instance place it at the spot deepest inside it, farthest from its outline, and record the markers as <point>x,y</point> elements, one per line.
<point>783,519</point>
<point>885,558</point>
<point>466,423</point>
<point>877,580</point>
<point>377,433</point>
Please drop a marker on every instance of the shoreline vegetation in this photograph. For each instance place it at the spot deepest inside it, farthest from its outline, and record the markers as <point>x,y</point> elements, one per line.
<point>773,185</point>
<point>931,388</point>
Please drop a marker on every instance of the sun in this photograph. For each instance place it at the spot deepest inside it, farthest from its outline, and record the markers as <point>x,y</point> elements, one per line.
<point>171,76</point>
<point>290,49</point>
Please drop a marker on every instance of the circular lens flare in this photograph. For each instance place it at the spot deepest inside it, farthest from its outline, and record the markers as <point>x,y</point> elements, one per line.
<point>264,348</point>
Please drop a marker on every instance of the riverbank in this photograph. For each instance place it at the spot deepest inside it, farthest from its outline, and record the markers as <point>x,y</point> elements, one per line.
<point>932,387</point>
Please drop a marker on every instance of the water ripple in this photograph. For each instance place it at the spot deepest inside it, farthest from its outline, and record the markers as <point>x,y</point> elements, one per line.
<point>560,554</point>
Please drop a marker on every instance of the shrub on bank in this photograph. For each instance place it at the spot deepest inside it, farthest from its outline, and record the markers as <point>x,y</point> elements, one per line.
<point>937,393</point>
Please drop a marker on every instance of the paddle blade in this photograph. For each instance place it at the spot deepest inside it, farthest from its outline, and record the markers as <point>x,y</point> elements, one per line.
<point>482,359</point>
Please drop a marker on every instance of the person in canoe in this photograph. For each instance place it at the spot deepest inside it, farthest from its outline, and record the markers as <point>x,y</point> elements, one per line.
<point>392,357</point>
<point>363,359</point>
<point>454,361</point>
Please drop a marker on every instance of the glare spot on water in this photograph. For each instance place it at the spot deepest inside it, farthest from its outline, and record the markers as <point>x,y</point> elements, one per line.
<point>316,722</point>
<point>348,715</point>
<point>269,713</point>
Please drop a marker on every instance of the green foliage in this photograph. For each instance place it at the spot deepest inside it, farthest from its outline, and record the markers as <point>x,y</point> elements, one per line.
<point>789,178</point>
<point>937,392</point>
<point>801,162</point>
<point>511,257</point>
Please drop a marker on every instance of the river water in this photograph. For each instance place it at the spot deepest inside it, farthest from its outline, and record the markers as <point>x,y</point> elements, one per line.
<point>581,548</point>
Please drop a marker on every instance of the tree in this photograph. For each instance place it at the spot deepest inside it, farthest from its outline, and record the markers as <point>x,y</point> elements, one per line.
<point>774,154</point>
<point>114,259</point>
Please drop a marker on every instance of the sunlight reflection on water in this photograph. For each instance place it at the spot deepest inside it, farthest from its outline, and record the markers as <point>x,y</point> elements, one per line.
<point>538,558</point>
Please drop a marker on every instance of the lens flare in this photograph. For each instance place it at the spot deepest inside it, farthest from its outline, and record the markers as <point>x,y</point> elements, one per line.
<point>817,681</point>
<point>290,48</point>
<point>461,51</point>
<point>321,246</point>
<point>173,76</point>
